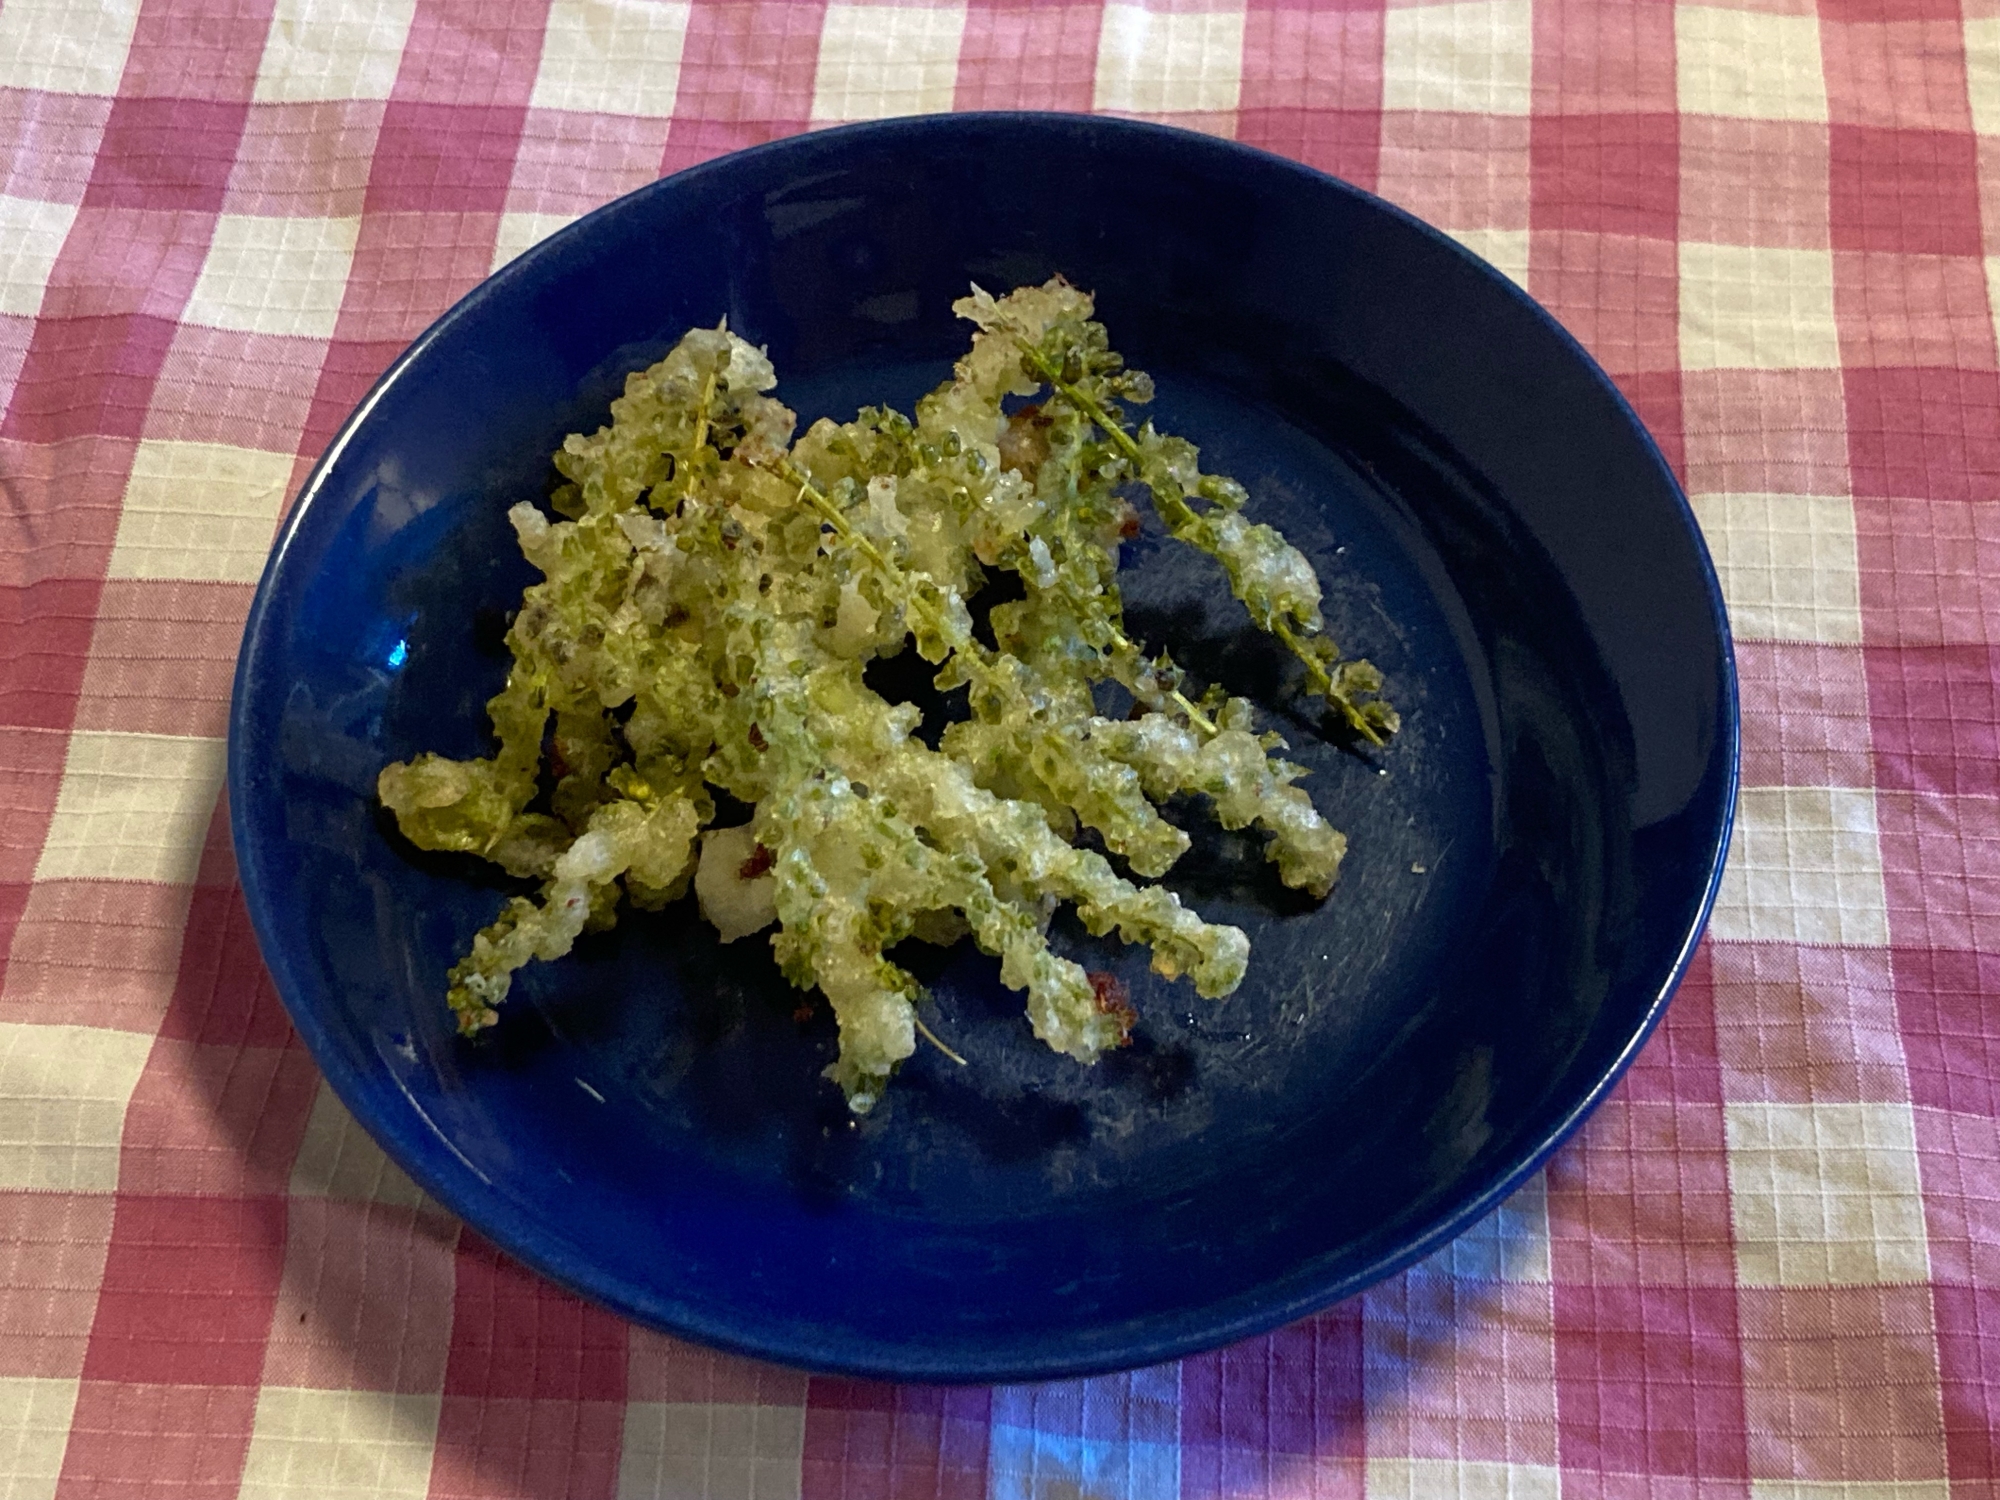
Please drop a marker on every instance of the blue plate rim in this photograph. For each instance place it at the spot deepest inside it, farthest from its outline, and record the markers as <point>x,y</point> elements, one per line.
<point>473,1199</point>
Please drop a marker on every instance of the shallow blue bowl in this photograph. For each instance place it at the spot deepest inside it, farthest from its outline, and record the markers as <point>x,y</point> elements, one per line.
<point>1532,859</point>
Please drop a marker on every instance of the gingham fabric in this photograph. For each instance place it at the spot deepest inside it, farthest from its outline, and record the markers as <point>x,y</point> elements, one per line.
<point>1769,1269</point>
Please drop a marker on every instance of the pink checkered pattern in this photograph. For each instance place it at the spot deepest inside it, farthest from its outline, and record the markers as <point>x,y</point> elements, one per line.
<point>1769,1269</point>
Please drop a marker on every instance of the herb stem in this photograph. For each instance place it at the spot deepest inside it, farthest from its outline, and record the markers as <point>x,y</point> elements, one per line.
<point>1181,517</point>
<point>1120,641</point>
<point>701,413</point>
<point>932,1037</point>
<point>844,528</point>
<point>1322,683</point>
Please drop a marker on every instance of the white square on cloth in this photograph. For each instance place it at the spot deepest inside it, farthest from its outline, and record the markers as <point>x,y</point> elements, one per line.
<point>333,49</point>
<point>880,61</point>
<point>61,47</point>
<point>280,276</point>
<point>1169,62</point>
<point>1826,1194</point>
<point>1805,866</point>
<point>1471,57</point>
<point>612,57</point>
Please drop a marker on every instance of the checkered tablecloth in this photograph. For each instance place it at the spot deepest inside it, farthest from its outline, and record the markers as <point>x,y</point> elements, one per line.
<point>1769,1269</point>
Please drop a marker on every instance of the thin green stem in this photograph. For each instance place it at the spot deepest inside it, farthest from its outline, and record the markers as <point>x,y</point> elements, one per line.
<point>701,413</point>
<point>1176,512</point>
<point>831,514</point>
<point>1322,683</point>
<point>1180,516</point>
<point>1200,720</point>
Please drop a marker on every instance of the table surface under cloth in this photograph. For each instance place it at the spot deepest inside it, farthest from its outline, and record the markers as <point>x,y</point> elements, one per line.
<point>1770,1265</point>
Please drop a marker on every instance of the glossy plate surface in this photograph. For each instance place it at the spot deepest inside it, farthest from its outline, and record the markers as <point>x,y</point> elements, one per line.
<point>1531,860</point>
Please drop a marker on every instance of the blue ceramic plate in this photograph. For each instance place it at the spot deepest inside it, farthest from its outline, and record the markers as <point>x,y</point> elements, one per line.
<point>1531,860</point>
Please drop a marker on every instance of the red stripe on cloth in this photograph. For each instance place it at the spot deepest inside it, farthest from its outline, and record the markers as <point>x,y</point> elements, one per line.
<point>96,953</point>
<point>1649,1382</point>
<point>1941,869</point>
<point>1958,1156</point>
<point>408,268</point>
<point>245,390</point>
<point>220,1121</point>
<point>87,379</point>
<point>534,1387</point>
<point>16,332</point>
<point>746,76</point>
<point>1278,1414</point>
<point>1015,56</point>
<point>1660,399</point>
<point>58,527</point>
<point>1753,432</point>
<point>1969,1365</point>
<point>472,52</point>
<point>1925,434</point>
<point>1787,159</point>
<point>1463,170</point>
<point>305,160</point>
<point>1346,143</point>
<point>162,657</point>
<point>1640,1197</point>
<point>48,627</point>
<point>502,1448</point>
<point>1930,571</point>
<point>1896,72</point>
<point>1804,1025</point>
<point>350,368</point>
<point>870,1441</point>
<point>444,158</point>
<point>196,49</point>
<point>1907,310</point>
<point>13,902</point>
<point>134,1440</point>
<point>1682,1059</point>
<point>1312,87</point>
<point>1936,718</point>
<point>1606,174</point>
<point>1618,293</point>
<point>166,154</point>
<point>1604,57</point>
<point>52,1248</point>
<point>1312,58</point>
<point>1839,1381</point>
<point>1988,148</point>
<point>223,995</point>
<point>1891,10</point>
<point>517,1335</point>
<point>218,854</point>
<point>31,767</point>
<point>189,1284</point>
<point>1951,1040</point>
<point>1912,191</point>
<point>1805,714</point>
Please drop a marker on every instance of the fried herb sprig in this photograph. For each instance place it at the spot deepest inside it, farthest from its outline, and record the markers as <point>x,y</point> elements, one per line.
<point>711,595</point>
